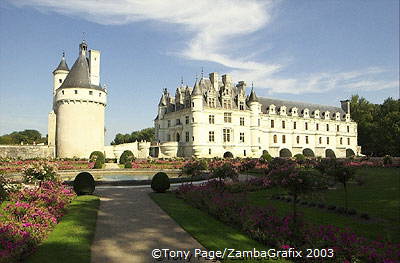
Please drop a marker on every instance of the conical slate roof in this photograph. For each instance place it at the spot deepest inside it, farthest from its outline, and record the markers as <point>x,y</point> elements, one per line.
<point>78,77</point>
<point>253,96</point>
<point>62,66</point>
<point>196,89</point>
<point>163,101</point>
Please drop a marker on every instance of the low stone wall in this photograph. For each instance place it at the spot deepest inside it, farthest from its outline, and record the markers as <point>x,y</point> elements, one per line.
<point>27,151</point>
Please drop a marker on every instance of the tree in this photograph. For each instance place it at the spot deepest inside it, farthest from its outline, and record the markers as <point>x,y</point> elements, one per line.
<point>343,174</point>
<point>141,135</point>
<point>26,137</point>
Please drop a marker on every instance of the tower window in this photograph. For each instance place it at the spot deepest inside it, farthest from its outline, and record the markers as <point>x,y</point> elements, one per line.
<point>294,125</point>
<point>272,124</point>
<point>241,121</point>
<point>327,127</point>
<point>60,80</point>
<point>348,129</point>
<point>337,128</point>
<point>242,137</point>
<point>241,105</point>
<point>244,152</point>
<point>76,91</point>
<point>90,92</point>
<point>306,126</point>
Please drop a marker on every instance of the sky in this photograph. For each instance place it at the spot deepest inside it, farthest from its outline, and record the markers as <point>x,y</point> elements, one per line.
<point>311,51</point>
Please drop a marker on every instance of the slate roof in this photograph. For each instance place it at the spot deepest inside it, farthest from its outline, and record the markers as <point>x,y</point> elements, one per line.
<point>78,77</point>
<point>62,66</point>
<point>253,96</point>
<point>266,102</point>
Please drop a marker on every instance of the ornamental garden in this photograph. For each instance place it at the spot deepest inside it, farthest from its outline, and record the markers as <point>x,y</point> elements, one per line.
<point>341,210</point>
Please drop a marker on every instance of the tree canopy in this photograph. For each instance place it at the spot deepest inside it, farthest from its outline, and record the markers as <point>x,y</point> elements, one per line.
<point>141,135</point>
<point>26,136</point>
<point>378,126</point>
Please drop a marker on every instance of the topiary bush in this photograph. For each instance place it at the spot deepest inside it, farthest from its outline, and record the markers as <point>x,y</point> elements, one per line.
<point>98,164</point>
<point>127,154</point>
<point>299,157</point>
<point>228,155</point>
<point>84,184</point>
<point>160,182</point>
<point>97,155</point>
<point>128,164</point>
<point>266,156</point>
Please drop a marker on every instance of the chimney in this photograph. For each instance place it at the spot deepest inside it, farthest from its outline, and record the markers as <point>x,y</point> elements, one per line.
<point>345,106</point>
<point>226,79</point>
<point>214,80</point>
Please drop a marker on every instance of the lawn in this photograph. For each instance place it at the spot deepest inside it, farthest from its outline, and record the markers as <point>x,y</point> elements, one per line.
<point>379,197</point>
<point>71,239</point>
<point>211,233</point>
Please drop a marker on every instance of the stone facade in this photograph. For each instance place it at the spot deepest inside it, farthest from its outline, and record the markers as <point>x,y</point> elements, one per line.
<point>139,150</point>
<point>215,117</point>
<point>27,151</point>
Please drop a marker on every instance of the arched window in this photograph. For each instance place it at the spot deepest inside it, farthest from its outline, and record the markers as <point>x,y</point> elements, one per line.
<point>275,139</point>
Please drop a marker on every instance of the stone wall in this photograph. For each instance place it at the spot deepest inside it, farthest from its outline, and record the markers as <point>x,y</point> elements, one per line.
<point>139,149</point>
<point>27,151</point>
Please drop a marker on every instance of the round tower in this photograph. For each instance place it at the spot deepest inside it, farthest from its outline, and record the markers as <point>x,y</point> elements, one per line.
<point>255,121</point>
<point>79,105</point>
<point>197,108</point>
<point>59,75</point>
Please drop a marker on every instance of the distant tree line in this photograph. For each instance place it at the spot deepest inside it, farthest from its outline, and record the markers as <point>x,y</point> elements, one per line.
<point>378,126</point>
<point>142,135</point>
<point>26,137</point>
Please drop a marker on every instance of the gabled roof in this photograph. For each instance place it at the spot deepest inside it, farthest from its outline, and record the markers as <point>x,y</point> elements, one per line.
<point>78,77</point>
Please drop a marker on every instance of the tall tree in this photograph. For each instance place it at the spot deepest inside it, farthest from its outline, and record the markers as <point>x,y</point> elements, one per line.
<point>141,135</point>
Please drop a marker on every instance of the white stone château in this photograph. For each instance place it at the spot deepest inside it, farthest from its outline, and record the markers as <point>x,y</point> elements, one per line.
<point>76,123</point>
<point>215,118</point>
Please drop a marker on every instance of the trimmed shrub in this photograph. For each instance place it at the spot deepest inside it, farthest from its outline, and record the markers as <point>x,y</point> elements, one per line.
<point>84,184</point>
<point>299,157</point>
<point>127,154</point>
<point>98,164</point>
<point>308,153</point>
<point>285,153</point>
<point>97,155</point>
<point>160,182</point>
<point>266,156</point>
<point>128,163</point>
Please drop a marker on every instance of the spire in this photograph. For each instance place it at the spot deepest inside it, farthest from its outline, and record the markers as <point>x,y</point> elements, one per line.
<point>163,100</point>
<point>202,73</point>
<point>63,64</point>
<point>83,48</point>
<point>253,96</point>
<point>181,81</point>
<point>196,89</point>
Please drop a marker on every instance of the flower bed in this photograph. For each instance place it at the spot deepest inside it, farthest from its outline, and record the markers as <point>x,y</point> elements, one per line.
<point>264,225</point>
<point>28,216</point>
<point>15,166</point>
<point>157,164</point>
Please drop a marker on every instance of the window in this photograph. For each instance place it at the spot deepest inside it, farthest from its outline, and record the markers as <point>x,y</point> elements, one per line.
<point>227,117</point>
<point>99,94</point>
<point>76,91</point>
<point>211,119</point>
<point>178,121</point>
<point>241,121</point>
<point>320,140</point>
<point>192,119</point>
<point>283,125</point>
<point>186,119</point>
<point>306,125</point>
<point>317,127</point>
<point>62,92</point>
<point>272,124</point>
<point>227,104</point>
<point>60,80</point>
<point>307,139</point>
<point>187,136</point>
<point>327,127</point>
<point>226,135</point>
<point>275,139</point>
<point>294,125</point>
<point>209,151</point>
<point>244,152</point>
<point>298,139</point>
<point>211,102</point>
<point>341,140</point>
<point>90,92</point>
<point>348,141</point>
<point>241,105</point>
<point>211,137</point>
<point>283,138</point>
<point>327,140</point>
<point>192,138</point>
<point>241,137</point>
<point>169,137</point>
<point>259,122</point>
<point>169,123</point>
<point>337,128</point>
<point>348,128</point>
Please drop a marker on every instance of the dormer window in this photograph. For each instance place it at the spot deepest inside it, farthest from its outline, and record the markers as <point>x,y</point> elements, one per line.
<point>326,115</point>
<point>337,116</point>
<point>306,113</point>
<point>272,109</point>
<point>241,105</point>
<point>293,111</point>
<point>60,80</point>
<point>316,114</point>
<point>282,110</point>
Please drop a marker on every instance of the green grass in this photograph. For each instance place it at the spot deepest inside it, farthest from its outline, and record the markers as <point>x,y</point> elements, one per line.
<point>379,197</point>
<point>211,233</point>
<point>71,239</point>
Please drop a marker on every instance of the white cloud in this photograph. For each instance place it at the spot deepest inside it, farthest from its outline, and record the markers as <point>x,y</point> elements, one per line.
<point>215,27</point>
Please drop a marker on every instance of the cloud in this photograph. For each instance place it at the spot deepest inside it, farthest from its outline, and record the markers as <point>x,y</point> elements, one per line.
<point>216,27</point>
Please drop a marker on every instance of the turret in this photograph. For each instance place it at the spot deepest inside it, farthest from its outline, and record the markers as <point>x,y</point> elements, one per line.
<point>255,121</point>
<point>197,97</point>
<point>162,105</point>
<point>60,73</point>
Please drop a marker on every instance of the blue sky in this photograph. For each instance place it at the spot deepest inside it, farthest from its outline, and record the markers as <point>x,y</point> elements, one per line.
<point>313,51</point>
